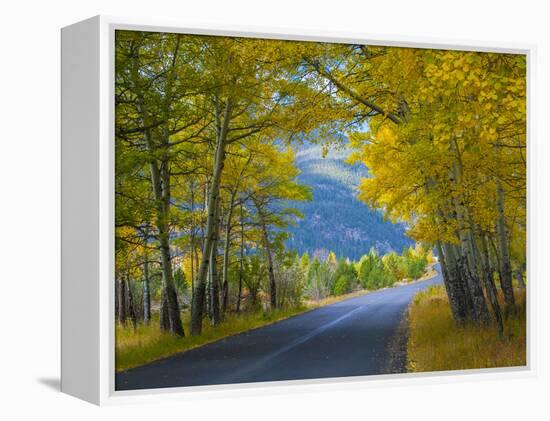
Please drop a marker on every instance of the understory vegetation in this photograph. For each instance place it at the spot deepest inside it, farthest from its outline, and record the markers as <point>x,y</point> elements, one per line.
<point>436,343</point>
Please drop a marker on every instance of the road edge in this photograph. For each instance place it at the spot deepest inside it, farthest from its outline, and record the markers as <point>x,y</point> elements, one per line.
<point>397,347</point>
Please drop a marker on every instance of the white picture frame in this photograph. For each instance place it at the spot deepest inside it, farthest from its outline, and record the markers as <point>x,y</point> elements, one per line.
<point>88,212</point>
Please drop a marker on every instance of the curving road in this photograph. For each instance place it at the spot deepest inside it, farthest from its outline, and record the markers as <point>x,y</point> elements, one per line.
<point>349,338</point>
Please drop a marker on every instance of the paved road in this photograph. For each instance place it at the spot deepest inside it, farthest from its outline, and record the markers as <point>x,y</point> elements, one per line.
<point>349,338</point>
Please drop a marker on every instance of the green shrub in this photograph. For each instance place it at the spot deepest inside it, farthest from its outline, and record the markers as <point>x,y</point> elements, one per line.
<point>347,271</point>
<point>416,265</point>
<point>342,285</point>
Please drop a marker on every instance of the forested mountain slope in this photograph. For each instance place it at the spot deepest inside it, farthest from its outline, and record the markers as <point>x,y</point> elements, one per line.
<point>336,220</point>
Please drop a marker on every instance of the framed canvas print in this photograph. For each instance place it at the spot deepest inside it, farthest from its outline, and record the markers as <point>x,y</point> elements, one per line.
<point>243,209</point>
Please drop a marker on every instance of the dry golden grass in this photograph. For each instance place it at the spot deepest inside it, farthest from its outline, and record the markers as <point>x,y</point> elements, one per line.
<point>436,343</point>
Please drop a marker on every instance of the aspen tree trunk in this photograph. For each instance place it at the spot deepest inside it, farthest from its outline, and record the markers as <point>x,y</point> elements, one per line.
<point>146,291</point>
<point>192,243</point>
<point>238,306</point>
<point>192,260</point>
<point>496,261</point>
<point>164,316</point>
<point>214,281</point>
<point>490,285</point>
<point>227,246</point>
<point>267,246</point>
<point>483,265</point>
<point>170,302</point>
<point>504,252</point>
<point>457,307</point>
<point>131,304</point>
<point>200,245</point>
<point>459,296</point>
<point>466,261</point>
<point>196,253</point>
<point>160,180</point>
<point>519,276</point>
<point>162,198</point>
<point>474,281</point>
<point>460,299</point>
<point>271,274</point>
<point>282,295</point>
<point>460,291</point>
<point>122,302</point>
<point>214,291</point>
<point>174,315</point>
<point>198,299</point>
<point>117,299</point>
<point>480,312</point>
<point>208,291</point>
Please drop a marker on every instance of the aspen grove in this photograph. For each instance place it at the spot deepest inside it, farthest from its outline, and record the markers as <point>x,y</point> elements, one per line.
<point>206,132</point>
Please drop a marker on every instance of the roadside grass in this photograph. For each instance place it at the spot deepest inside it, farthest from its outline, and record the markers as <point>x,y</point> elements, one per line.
<point>436,343</point>
<point>147,343</point>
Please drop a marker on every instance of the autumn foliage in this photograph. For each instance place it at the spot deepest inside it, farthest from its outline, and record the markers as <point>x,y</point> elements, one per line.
<point>206,131</point>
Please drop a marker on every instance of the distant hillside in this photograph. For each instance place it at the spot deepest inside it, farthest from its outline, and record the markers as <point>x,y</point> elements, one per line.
<point>335,220</point>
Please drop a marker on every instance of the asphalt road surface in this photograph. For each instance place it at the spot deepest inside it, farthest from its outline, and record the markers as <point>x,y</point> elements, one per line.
<point>349,338</point>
